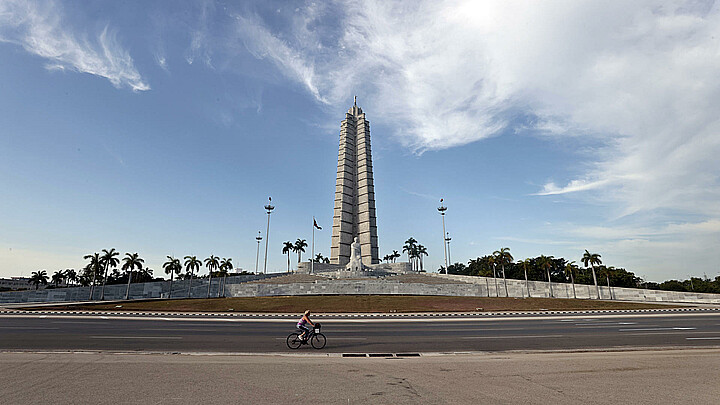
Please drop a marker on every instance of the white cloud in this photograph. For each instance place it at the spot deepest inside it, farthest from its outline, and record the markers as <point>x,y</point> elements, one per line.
<point>39,29</point>
<point>638,78</point>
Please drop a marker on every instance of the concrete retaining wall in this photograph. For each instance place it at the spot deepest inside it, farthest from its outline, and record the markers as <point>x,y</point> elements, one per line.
<point>156,289</point>
<point>340,287</point>
<point>517,288</point>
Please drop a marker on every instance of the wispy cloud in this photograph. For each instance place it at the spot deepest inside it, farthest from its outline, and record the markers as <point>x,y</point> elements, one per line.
<point>639,79</point>
<point>39,29</point>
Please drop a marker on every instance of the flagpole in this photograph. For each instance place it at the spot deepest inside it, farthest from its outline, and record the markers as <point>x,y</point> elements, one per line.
<point>312,260</point>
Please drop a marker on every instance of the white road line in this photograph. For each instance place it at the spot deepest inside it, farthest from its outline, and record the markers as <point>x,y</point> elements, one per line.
<point>138,337</point>
<point>650,329</point>
<point>27,328</point>
<point>178,330</point>
<point>704,338</point>
<point>513,337</point>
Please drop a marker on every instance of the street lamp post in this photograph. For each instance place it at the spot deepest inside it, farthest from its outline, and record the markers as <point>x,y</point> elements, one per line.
<point>269,209</point>
<point>448,239</point>
<point>257,254</point>
<point>442,210</point>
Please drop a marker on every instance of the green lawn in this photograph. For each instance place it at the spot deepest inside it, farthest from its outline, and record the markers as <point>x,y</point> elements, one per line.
<point>363,303</point>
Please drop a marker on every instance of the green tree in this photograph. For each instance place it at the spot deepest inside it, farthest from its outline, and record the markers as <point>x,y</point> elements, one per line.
<point>130,262</point>
<point>94,269</point>
<point>212,263</point>
<point>225,267</point>
<point>569,271</point>
<point>395,254</point>
<point>71,276</point>
<point>109,260</point>
<point>421,251</point>
<point>58,277</point>
<point>546,263</point>
<point>38,277</point>
<point>502,257</point>
<point>410,248</point>
<point>287,248</point>
<point>172,266</point>
<point>592,259</point>
<point>299,248</point>
<point>192,263</point>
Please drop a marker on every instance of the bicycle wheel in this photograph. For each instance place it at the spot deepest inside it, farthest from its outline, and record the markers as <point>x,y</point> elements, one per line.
<point>293,341</point>
<point>318,341</point>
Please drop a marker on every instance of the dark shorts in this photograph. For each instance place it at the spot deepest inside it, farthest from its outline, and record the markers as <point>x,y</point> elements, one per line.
<point>303,328</point>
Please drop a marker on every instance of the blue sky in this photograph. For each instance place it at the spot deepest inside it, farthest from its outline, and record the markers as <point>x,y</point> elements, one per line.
<point>548,127</point>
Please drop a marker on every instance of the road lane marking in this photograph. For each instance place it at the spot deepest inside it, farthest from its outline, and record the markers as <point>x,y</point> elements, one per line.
<point>179,330</point>
<point>704,338</point>
<point>512,337</point>
<point>27,327</point>
<point>332,338</point>
<point>138,337</point>
<point>651,329</point>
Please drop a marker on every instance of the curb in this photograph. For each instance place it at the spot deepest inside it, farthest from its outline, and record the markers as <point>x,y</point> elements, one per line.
<point>363,316</point>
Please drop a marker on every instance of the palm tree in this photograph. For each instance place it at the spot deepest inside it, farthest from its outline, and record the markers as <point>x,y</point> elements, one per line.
<point>94,267</point>
<point>225,266</point>
<point>386,259</point>
<point>58,277</point>
<point>71,276</point>
<point>108,259</point>
<point>395,254</point>
<point>421,250</point>
<point>592,259</point>
<point>38,277</point>
<point>608,272</point>
<point>172,267</point>
<point>130,262</point>
<point>191,263</point>
<point>492,260</point>
<point>525,263</point>
<point>212,263</point>
<point>569,268</point>
<point>299,248</point>
<point>287,248</point>
<point>546,263</point>
<point>503,256</point>
<point>319,258</point>
<point>409,248</point>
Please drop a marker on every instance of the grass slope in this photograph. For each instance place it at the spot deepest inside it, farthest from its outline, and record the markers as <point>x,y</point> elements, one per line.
<point>364,303</point>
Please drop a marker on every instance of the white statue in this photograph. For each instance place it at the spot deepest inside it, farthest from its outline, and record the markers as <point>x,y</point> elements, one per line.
<point>355,263</point>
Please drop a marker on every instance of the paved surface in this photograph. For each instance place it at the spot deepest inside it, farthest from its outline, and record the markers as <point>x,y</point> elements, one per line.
<point>357,335</point>
<point>649,377</point>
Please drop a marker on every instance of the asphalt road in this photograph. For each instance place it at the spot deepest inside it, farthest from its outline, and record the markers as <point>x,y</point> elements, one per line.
<point>421,335</point>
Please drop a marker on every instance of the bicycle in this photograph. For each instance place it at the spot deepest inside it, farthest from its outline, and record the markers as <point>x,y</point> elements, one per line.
<point>317,340</point>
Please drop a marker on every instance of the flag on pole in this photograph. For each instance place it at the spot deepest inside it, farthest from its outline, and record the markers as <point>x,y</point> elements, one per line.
<point>315,224</point>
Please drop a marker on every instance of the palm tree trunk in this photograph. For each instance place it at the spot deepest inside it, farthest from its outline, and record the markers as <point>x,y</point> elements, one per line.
<point>92,285</point>
<point>572,279</point>
<point>223,285</point>
<point>127,292</point>
<point>210,282</point>
<point>190,285</point>
<point>497,293</point>
<point>171,280</point>
<point>505,281</point>
<point>487,284</point>
<point>595,281</point>
<point>102,293</point>
<point>288,255</point>
<point>549,283</point>
<point>527,285</point>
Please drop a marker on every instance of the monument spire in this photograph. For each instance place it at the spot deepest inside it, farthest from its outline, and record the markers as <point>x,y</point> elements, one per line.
<point>354,215</point>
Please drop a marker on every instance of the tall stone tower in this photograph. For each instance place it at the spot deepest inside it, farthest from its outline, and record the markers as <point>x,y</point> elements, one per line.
<point>354,192</point>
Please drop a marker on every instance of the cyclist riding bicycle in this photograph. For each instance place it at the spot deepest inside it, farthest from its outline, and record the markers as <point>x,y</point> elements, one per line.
<point>304,321</point>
